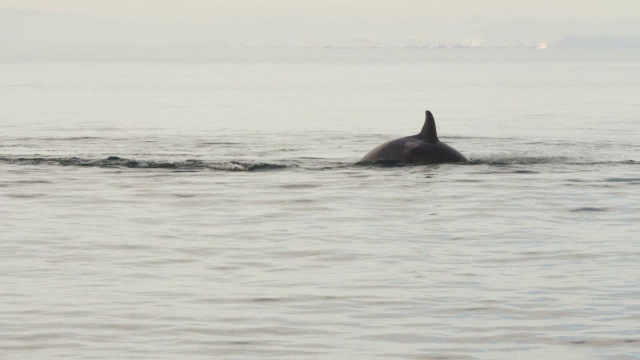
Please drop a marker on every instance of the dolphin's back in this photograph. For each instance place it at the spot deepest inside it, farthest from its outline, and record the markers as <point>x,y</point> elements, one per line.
<point>414,150</point>
<point>424,148</point>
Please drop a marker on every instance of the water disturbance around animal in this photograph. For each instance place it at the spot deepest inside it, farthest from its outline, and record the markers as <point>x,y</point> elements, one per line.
<point>199,210</point>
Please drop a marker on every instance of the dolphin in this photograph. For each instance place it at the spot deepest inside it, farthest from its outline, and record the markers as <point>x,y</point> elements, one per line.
<point>424,148</point>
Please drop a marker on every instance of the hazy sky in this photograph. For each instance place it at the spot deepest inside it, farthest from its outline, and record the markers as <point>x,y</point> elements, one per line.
<point>204,9</point>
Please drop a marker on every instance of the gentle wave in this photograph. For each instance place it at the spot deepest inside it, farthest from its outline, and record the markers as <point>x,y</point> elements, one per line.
<point>310,164</point>
<point>518,160</point>
<point>117,162</point>
<point>538,160</point>
<point>507,161</point>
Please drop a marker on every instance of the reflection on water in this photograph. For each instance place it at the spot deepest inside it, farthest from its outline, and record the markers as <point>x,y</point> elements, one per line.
<point>182,241</point>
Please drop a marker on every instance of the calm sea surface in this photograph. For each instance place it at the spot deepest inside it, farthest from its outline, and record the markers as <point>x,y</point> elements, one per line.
<point>214,209</point>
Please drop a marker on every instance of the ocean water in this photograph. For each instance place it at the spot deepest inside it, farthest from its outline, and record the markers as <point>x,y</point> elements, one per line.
<point>215,208</point>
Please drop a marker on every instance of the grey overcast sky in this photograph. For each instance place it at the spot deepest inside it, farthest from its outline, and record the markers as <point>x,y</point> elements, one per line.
<point>388,9</point>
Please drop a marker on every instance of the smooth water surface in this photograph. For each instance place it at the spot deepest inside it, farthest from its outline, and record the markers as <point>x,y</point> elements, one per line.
<point>215,209</point>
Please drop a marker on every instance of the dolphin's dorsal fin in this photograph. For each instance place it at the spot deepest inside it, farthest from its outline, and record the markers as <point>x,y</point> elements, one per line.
<point>429,132</point>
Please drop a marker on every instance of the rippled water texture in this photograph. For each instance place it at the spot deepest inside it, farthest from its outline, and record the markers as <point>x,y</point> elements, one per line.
<point>197,211</point>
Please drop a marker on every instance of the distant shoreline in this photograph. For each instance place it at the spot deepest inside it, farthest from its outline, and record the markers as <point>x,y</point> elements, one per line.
<point>130,53</point>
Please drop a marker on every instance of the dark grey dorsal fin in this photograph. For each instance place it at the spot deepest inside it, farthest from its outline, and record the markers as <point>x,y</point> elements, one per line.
<point>429,132</point>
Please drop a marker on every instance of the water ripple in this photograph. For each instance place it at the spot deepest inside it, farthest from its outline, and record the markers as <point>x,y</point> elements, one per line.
<point>117,162</point>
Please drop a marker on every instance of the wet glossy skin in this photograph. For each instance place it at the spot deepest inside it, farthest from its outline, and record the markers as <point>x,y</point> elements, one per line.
<point>414,150</point>
<point>424,148</point>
